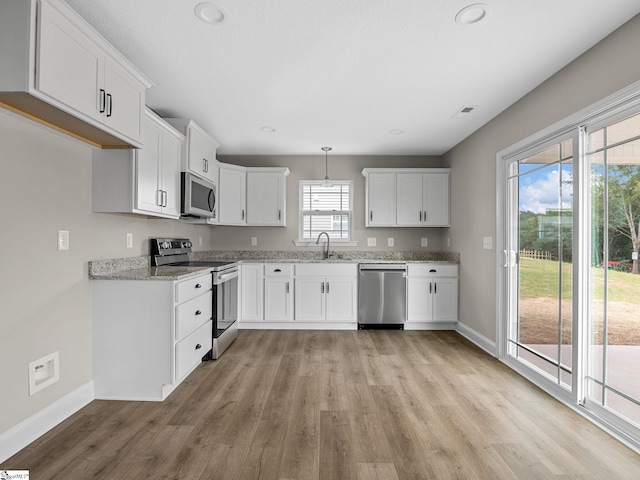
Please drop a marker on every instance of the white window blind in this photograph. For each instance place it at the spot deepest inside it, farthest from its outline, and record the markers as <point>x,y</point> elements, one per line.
<point>325,209</point>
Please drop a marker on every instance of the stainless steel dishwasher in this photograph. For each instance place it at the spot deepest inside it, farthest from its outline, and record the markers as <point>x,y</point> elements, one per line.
<point>382,295</point>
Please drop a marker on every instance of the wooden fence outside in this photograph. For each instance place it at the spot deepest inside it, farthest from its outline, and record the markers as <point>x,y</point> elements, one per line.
<point>537,254</point>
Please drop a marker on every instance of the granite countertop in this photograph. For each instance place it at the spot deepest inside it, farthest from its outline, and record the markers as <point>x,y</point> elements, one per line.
<point>138,268</point>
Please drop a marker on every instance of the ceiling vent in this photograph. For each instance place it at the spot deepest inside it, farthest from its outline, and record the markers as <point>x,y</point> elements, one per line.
<point>464,111</point>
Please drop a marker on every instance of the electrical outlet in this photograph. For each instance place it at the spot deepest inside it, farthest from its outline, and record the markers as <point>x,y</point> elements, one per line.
<point>254,241</point>
<point>371,242</point>
<point>129,240</point>
<point>423,242</point>
<point>390,242</point>
<point>487,243</point>
<point>63,239</point>
<point>43,372</point>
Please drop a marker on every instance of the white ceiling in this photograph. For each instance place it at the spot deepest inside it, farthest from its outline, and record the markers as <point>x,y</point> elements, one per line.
<point>343,73</point>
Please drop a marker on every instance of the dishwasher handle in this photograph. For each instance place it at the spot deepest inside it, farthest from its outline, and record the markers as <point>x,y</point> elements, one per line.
<point>384,267</point>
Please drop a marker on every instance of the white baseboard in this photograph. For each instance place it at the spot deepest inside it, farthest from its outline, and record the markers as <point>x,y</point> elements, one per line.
<point>18,437</point>
<point>480,340</point>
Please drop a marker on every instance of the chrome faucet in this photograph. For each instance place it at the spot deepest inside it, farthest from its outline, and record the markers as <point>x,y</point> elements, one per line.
<point>328,254</point>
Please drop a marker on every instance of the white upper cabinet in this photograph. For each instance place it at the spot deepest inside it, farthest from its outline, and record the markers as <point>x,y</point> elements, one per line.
<point>267,196</point>
<point>409,197</point>
<point>144,181</point>
<point>232,194</point>
<point>381,200</point>
<point>199,149</point>
<point>64,74</point>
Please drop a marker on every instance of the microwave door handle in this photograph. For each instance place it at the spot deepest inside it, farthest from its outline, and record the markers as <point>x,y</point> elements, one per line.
<point>211,201</point>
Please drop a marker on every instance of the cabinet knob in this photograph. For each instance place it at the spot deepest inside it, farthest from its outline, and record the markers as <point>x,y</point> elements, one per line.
<point>198,285</point>
<point>433,270</point>
<point>198,347</point>
<point>277,270</point>
<point>198,312</point>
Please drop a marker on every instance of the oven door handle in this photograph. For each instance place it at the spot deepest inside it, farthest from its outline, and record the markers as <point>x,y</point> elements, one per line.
<point>223,277</point>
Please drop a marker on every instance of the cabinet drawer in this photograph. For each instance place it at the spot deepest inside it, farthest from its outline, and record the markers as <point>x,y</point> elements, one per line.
<point>432,270</point>
<point>324,270</point>
<point>193,287</point>
<point>193,313</point>
<point>190,350</point>
<point>278,270</point>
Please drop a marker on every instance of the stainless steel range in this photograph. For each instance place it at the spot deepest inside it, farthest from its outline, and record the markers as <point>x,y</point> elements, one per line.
<point>175,252</point>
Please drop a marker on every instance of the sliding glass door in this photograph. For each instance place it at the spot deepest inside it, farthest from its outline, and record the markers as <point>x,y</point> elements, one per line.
<point>613,374</point>
<point>540,255</point>
<point>570,314</point>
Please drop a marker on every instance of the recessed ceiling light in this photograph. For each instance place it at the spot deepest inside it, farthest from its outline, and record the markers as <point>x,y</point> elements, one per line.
<point>267,129</point>
<point>210,13</point>
<point>471,14</point>
<point>396,131</point>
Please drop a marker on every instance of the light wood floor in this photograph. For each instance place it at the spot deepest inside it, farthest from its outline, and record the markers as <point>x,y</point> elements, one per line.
<point>335,405</point>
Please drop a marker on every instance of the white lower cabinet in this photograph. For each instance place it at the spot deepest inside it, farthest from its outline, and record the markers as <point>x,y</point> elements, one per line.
<point>148,335</point>
<point>325,293</point>
<point>278,293</point>
<point>432,293</point>
<point>251,292</point>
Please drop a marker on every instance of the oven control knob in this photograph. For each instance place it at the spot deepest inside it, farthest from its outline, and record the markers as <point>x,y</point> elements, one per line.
<point>187,244</point>
<point>165,244</point>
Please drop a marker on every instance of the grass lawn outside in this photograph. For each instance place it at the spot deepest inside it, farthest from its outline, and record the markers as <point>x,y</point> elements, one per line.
<point>540,305</point>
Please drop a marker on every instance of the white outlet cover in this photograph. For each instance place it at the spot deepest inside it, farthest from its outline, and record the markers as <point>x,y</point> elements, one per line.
<point>129,240</point>
<point>63,239</point>
<point>371,241</point>
<point>43,372</point>
<point>423,242</point>
<point>487,243</point>
<point>254,241</point>
<point>390,242</point>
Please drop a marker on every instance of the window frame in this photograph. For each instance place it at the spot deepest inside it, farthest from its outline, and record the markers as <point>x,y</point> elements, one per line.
<point>309,242</point>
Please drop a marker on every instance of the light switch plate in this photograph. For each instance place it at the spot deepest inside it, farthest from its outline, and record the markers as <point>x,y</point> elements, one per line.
<point>423,242</point>
<point>254,241</point>
<point>129,240</point>
<point>63,239</point>
<point>487,243</point>
<point>390,242</point>
<point>371,241</point>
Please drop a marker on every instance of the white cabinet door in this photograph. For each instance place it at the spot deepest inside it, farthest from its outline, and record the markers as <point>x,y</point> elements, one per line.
<point>232,195</point>
<point>409,199</point>
<point>170,167</point>
<point>124,100</point>
<point>381,199</point>
<point>435,199</point>
<point>309,299</point>
<point>251,293</point>
<point>419,299</point>
<point>340,295</point>
<point>200,160</point>
<point>266,198</point>
<point>70,66</point>
<point>148,192</point>
<point>445,299</point>
<point>278,299</point>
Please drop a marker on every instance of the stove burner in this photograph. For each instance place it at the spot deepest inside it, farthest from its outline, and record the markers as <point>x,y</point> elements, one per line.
<point>175,252</point>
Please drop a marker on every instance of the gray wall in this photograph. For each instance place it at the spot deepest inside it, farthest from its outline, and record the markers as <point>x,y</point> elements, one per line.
<point>45,294</point>
<point>606,68</point>
<point>312,167</point>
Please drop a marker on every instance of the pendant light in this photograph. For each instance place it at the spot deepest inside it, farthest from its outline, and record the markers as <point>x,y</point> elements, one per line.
<point>327,182</point>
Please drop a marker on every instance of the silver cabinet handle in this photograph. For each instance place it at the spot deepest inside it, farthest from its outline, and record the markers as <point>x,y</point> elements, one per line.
<point>287,288</point>
<point>371,216</point>
<point>429,287</point>
<point>327,287</point>
<point>279,214</point>
<point>420,215</point>
<point>243,214</point>
<point>198,285</point>
<point>198,346</point>
<point>322,287</point>
<point>159,198</point>
<point>198,312</point>
<point>109,104</point>
<point>435,287</point>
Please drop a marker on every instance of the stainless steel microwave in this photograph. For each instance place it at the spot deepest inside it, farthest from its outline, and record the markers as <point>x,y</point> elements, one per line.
<point>198,197</point>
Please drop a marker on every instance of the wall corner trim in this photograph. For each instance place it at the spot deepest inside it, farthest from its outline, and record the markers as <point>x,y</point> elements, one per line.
<point>21,435</point>
<point>480,340</point>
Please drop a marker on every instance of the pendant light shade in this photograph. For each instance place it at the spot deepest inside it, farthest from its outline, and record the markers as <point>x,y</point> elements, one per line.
<point>326,182</point>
